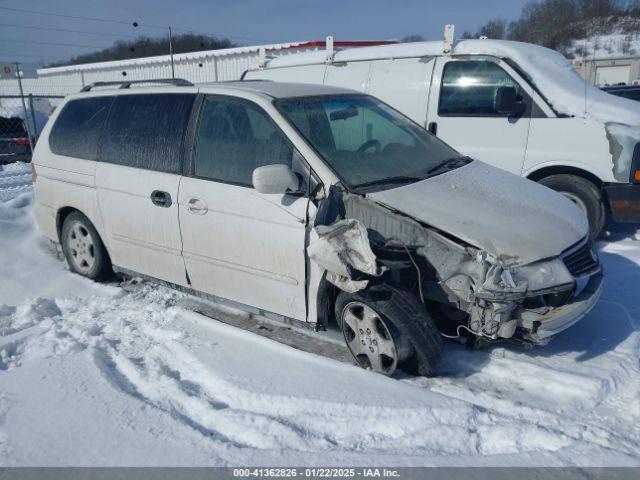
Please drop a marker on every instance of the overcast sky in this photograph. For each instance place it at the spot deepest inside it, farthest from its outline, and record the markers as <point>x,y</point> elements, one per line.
<point>245,22</point>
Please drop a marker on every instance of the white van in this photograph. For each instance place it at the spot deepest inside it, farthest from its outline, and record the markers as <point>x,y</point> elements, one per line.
<point>517,106</point>
<point>311,204</point>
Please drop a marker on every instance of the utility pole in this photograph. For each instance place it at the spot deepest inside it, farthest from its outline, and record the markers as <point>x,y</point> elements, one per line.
<point>24,106</point>
<point>173,72</point>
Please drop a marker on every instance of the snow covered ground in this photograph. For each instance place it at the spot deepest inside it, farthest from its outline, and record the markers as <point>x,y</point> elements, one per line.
<point>611,45</point>
<point>94,374</point>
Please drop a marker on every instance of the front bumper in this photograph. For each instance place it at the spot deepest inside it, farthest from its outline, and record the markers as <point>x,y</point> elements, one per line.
<point>561,318</point>
<point>624,201</point>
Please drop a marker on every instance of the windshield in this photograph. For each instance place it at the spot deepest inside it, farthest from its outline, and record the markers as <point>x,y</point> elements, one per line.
<point>369,145</point>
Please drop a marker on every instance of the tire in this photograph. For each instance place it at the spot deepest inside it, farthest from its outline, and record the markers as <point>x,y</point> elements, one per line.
<point>584,194</point>
<point>83,248</point>
<point>415,339</point>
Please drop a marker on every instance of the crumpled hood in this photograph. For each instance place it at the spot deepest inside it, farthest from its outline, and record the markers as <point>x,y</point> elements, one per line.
<point>506,215</point>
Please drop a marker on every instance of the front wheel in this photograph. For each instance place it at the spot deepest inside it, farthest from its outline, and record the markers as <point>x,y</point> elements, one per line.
<point>386,328</point>
<point>584,194</point>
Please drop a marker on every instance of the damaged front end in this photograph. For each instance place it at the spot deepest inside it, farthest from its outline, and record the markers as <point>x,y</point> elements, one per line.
<point>468,291</point>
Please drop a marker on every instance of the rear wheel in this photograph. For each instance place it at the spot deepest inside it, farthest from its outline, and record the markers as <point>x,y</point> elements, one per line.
<point>83,248</point>
<point>584,194</point>
<point>386,328</point>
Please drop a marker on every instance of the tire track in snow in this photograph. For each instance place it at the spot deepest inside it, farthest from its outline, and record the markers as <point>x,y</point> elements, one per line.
<point>575,399</point>
<point>139,350</point>
<point>142,356</point>
<point>266,421</point>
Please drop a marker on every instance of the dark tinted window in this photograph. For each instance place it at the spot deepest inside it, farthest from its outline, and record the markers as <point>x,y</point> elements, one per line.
<point>147,131</point>
<point>76,132</point>
<point>236,137</point>
<point>12,127</point>
<point>469,88</point>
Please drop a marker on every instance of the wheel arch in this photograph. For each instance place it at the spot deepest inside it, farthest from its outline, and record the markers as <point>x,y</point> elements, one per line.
<point>61,216</point>
<point>64,212</point>
<point>544,172</point>
<point>327,294</point>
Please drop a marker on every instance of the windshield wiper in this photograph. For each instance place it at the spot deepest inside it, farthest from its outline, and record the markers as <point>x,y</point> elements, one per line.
<point>449,164</point>
<point>389,180</point>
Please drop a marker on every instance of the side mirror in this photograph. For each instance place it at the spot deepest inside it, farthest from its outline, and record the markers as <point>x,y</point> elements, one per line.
<point>507,102</point>
<point>278,178</point>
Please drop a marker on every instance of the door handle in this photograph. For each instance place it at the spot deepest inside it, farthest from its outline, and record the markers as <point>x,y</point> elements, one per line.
<point>161,199</point>
<point>433,128</point>
<point>197,206</point>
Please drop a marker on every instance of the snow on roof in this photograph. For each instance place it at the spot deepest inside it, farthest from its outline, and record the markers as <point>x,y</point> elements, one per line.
<point>279,89</point>
<point>554,76</point>
<point>15,111</point>
<point>397,50</point>
<point>550,72</point>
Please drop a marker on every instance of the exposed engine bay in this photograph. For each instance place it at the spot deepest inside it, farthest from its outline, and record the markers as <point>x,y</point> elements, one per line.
<point>467,290</point>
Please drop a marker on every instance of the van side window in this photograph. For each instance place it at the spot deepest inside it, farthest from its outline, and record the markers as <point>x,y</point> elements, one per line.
<point>234,138</point>
<point>469,88</point>
<point>147,131</point>
<point>76,132</point>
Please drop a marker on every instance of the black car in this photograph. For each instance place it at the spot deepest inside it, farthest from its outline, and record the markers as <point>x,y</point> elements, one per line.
<point>14,141</point>
<point>627,91</point>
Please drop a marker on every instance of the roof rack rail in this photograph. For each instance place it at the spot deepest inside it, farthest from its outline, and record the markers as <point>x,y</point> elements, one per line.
<point>178,82</point>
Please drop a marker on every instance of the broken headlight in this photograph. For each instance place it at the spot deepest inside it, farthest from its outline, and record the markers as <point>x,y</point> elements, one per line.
<point>544,275</point>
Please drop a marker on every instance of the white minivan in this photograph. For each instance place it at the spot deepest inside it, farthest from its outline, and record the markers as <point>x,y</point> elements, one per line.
<point>517,106</point>
<point>311,205</point>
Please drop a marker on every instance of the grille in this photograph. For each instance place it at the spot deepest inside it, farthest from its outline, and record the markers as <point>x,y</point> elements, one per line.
<point>581,261</point>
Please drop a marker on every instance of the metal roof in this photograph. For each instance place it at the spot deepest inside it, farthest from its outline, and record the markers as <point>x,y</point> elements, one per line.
<point>223,52</point>
<point>178,57</point>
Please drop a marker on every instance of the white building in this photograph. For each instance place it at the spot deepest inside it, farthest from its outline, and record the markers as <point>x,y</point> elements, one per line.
<point>609,71</point>
<point>197,67</point>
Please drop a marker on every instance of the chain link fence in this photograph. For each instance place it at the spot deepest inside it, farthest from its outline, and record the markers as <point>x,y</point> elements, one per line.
<point>22,118</point>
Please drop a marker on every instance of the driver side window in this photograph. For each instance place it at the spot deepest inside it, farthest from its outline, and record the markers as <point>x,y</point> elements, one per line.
<point>234,138</point>
<point>469,88</point>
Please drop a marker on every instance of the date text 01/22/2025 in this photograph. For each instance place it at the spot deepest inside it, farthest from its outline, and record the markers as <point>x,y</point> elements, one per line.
<point>316,472</point>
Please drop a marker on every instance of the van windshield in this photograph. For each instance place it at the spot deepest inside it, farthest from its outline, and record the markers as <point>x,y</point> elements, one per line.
<point>368,144</point>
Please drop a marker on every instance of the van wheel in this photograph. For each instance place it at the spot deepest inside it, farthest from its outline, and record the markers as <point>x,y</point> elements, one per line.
<point>83,248</point>
<point>386,328</point>
<point>584,194</point>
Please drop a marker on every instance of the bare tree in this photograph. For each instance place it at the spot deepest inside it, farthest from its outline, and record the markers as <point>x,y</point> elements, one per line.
<point>146,47</point>
<point>414,37</point>
<point>495,29</point>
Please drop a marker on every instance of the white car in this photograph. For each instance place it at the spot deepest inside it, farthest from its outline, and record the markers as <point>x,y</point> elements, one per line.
<point>310,205</point>
<point>517,106</point>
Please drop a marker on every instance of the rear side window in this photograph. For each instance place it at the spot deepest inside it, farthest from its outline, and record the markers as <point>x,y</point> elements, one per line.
<point>76,132</point>
<point>147,131</point>
<point>236,137</point>
<point>469,88</point>
<point>12,127</point>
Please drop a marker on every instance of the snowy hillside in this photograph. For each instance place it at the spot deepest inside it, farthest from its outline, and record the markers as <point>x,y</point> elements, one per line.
<point>612,45</point>
<point>97,374</point>
<point>607,38</point>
